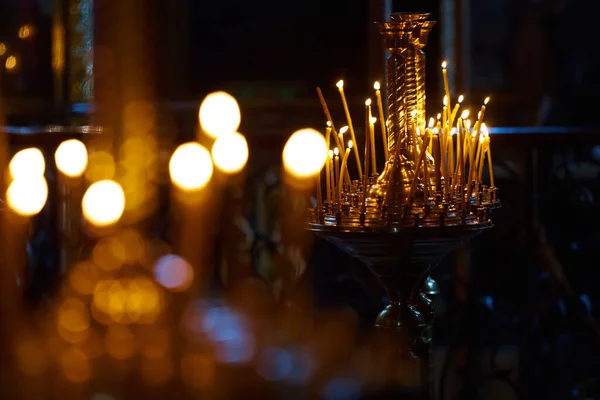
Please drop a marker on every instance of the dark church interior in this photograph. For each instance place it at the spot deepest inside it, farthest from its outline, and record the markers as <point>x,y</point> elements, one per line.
<point>197,202</point>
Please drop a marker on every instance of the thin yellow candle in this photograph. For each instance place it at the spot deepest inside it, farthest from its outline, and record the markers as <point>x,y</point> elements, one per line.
<point>331,175</point>
<point>344,168</point>
<point>372,138</point>
<point>445,75</point>
<point>451,150</point>
<point>484,147</point>
<point>319,197</point>
<point>340,135</point>
<point>426,167</point>
<point>326,111</point>
<point>437,160</point>
<point>459,148</point>
<point>475,168</point>
<point>336,171</point>
<point>490,165</point>
<point>376,86</point>
<point>413,185</point>
<point>328,175</point>
<point>340,86</point>
<point>328,135</point>
<point>455,110</point>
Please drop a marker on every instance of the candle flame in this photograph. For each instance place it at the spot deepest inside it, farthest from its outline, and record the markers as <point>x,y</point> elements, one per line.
<point>373,120</point>
<point>445,100</point>
<point>431,122</point>
<point>465,114</point>
<point>330,153</point>
<point>460,98</point>
<point>487,100</point>
<point>340,84</point>
<point>453,131</point>
<point>368,102</point>
<point>444,65</point>
<point>439,116</point>
<point>336,151</point>
<point>329,124</point>
<point>350,144</point>
<point>435,131</point>
<point>484,129</point>
<point>343,129</point>
<point>376,85</point>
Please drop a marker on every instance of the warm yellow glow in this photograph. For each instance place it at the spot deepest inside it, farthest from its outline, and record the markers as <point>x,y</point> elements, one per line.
<point>373,120</point>
<point>2,49</point>
<point>11,62</point>
<point>453,131</point>
<point>71,158</point>
<point>103,203</point>
<point>190,167</point>
<point>27,163</point>
<point>350,144</point>
<point>343,129</point>
<point>26,196</point>
<point>460,98</point>
<point>465,114</point>
<point>376,85</point>
<point>230,153</point>
<point>25,31</point>
<point>329,124</point>
<point>439,116</point>
<point>330,154</point>
<point>431,122</point>
<point>435,131</point>
<point>219,114</point>
<point>368,102</point>
<point>340,84</point>
<point>305,153</point>
<point>444,65</point>
<point>445,101</point>
<point>336,151</point>
<point>484,129</point>
<point>413,113</point>
<point>487,100</point>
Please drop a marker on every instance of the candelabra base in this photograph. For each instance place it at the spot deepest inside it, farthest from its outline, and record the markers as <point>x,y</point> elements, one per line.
<point>401,259</point>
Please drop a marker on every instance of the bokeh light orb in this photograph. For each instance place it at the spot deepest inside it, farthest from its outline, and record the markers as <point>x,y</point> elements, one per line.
<point>230,152</point>
<point>103,203</point>
<point>27,196</point>
<point>174,273</point>
<point>305,153</point>
<point>27,163</point>
<point>190,167</point>
<point>219,114</point>
<point>71,158</point>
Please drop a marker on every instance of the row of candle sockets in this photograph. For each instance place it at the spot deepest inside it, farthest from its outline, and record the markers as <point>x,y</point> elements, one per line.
<point>190,165</point>
<point>458,147</point>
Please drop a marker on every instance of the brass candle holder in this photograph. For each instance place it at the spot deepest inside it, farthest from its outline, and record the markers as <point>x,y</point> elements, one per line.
<point>426,201</point>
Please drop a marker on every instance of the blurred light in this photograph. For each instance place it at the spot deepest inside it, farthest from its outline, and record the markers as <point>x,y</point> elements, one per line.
<point>190,167</point>
<point>73,316</point>
<point>154,343</point>
<point>120,342</point>
<point>103,203</point>
<point>230,152</point>
<point>27,196</point>
<point>234,342</point>
<point>342,389</point>
<point>305,153</point>
<point>31,357</point>
<point>25,31</point>
<point>275,364</point>
<point>71,157</point>
<point>174,273</point>
<point>101,166</point>
<point>103,257</point>
<point>27,163</point>
<point>75,365</point>
<point>197,370</point>
<point>127,246</point>
<point>219,114</point>
<point>302,367</point>
<point>11,63</point>
<point>157,371</point>
<point>2,49</point>
<point>83,277</point>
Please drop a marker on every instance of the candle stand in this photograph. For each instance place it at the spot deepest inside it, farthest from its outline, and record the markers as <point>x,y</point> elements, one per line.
<point>402,222</point>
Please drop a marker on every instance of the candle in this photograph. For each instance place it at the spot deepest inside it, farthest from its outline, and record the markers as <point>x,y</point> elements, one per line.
<point>482,157</point>
<point>340,86</point>
<point>336,171</point>
<point>446,86</point>
<point>451,151</point>
<point>475,168</point>
<point>332,175</point>
<point>373,150</point>
<point>381,120</point>
<point>340,135</point>
<point>459,149</point>
<point>490,165</point>
<point>344,168</point>
<point>455,110</point>
<point>319,198</point>
<point>413,185</point>
<point>365,177</point>
<point>437,160</point>
<point>426,167</point>
<point>328,175</point>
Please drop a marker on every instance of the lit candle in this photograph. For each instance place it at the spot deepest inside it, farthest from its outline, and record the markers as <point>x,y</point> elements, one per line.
<point>336,171</point>
<point>328,135</point>
<point>446,86</point>
<point>340,86</point>
<point>381,121</point>
<point>451,150</point>
<point>413,185</point>
<point>344,168</point>
<point>437,160</point>
<point>459,147</point>
<point>475,168</point>
<point>484,147</point>
<point>365,177</point>
<point>425,166</point>
<point>455,110</point>
<point>340,135</point>
<point>371,136</point>
<point>490,165</point>
<point>328,175</point>
<point>331,176</point>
